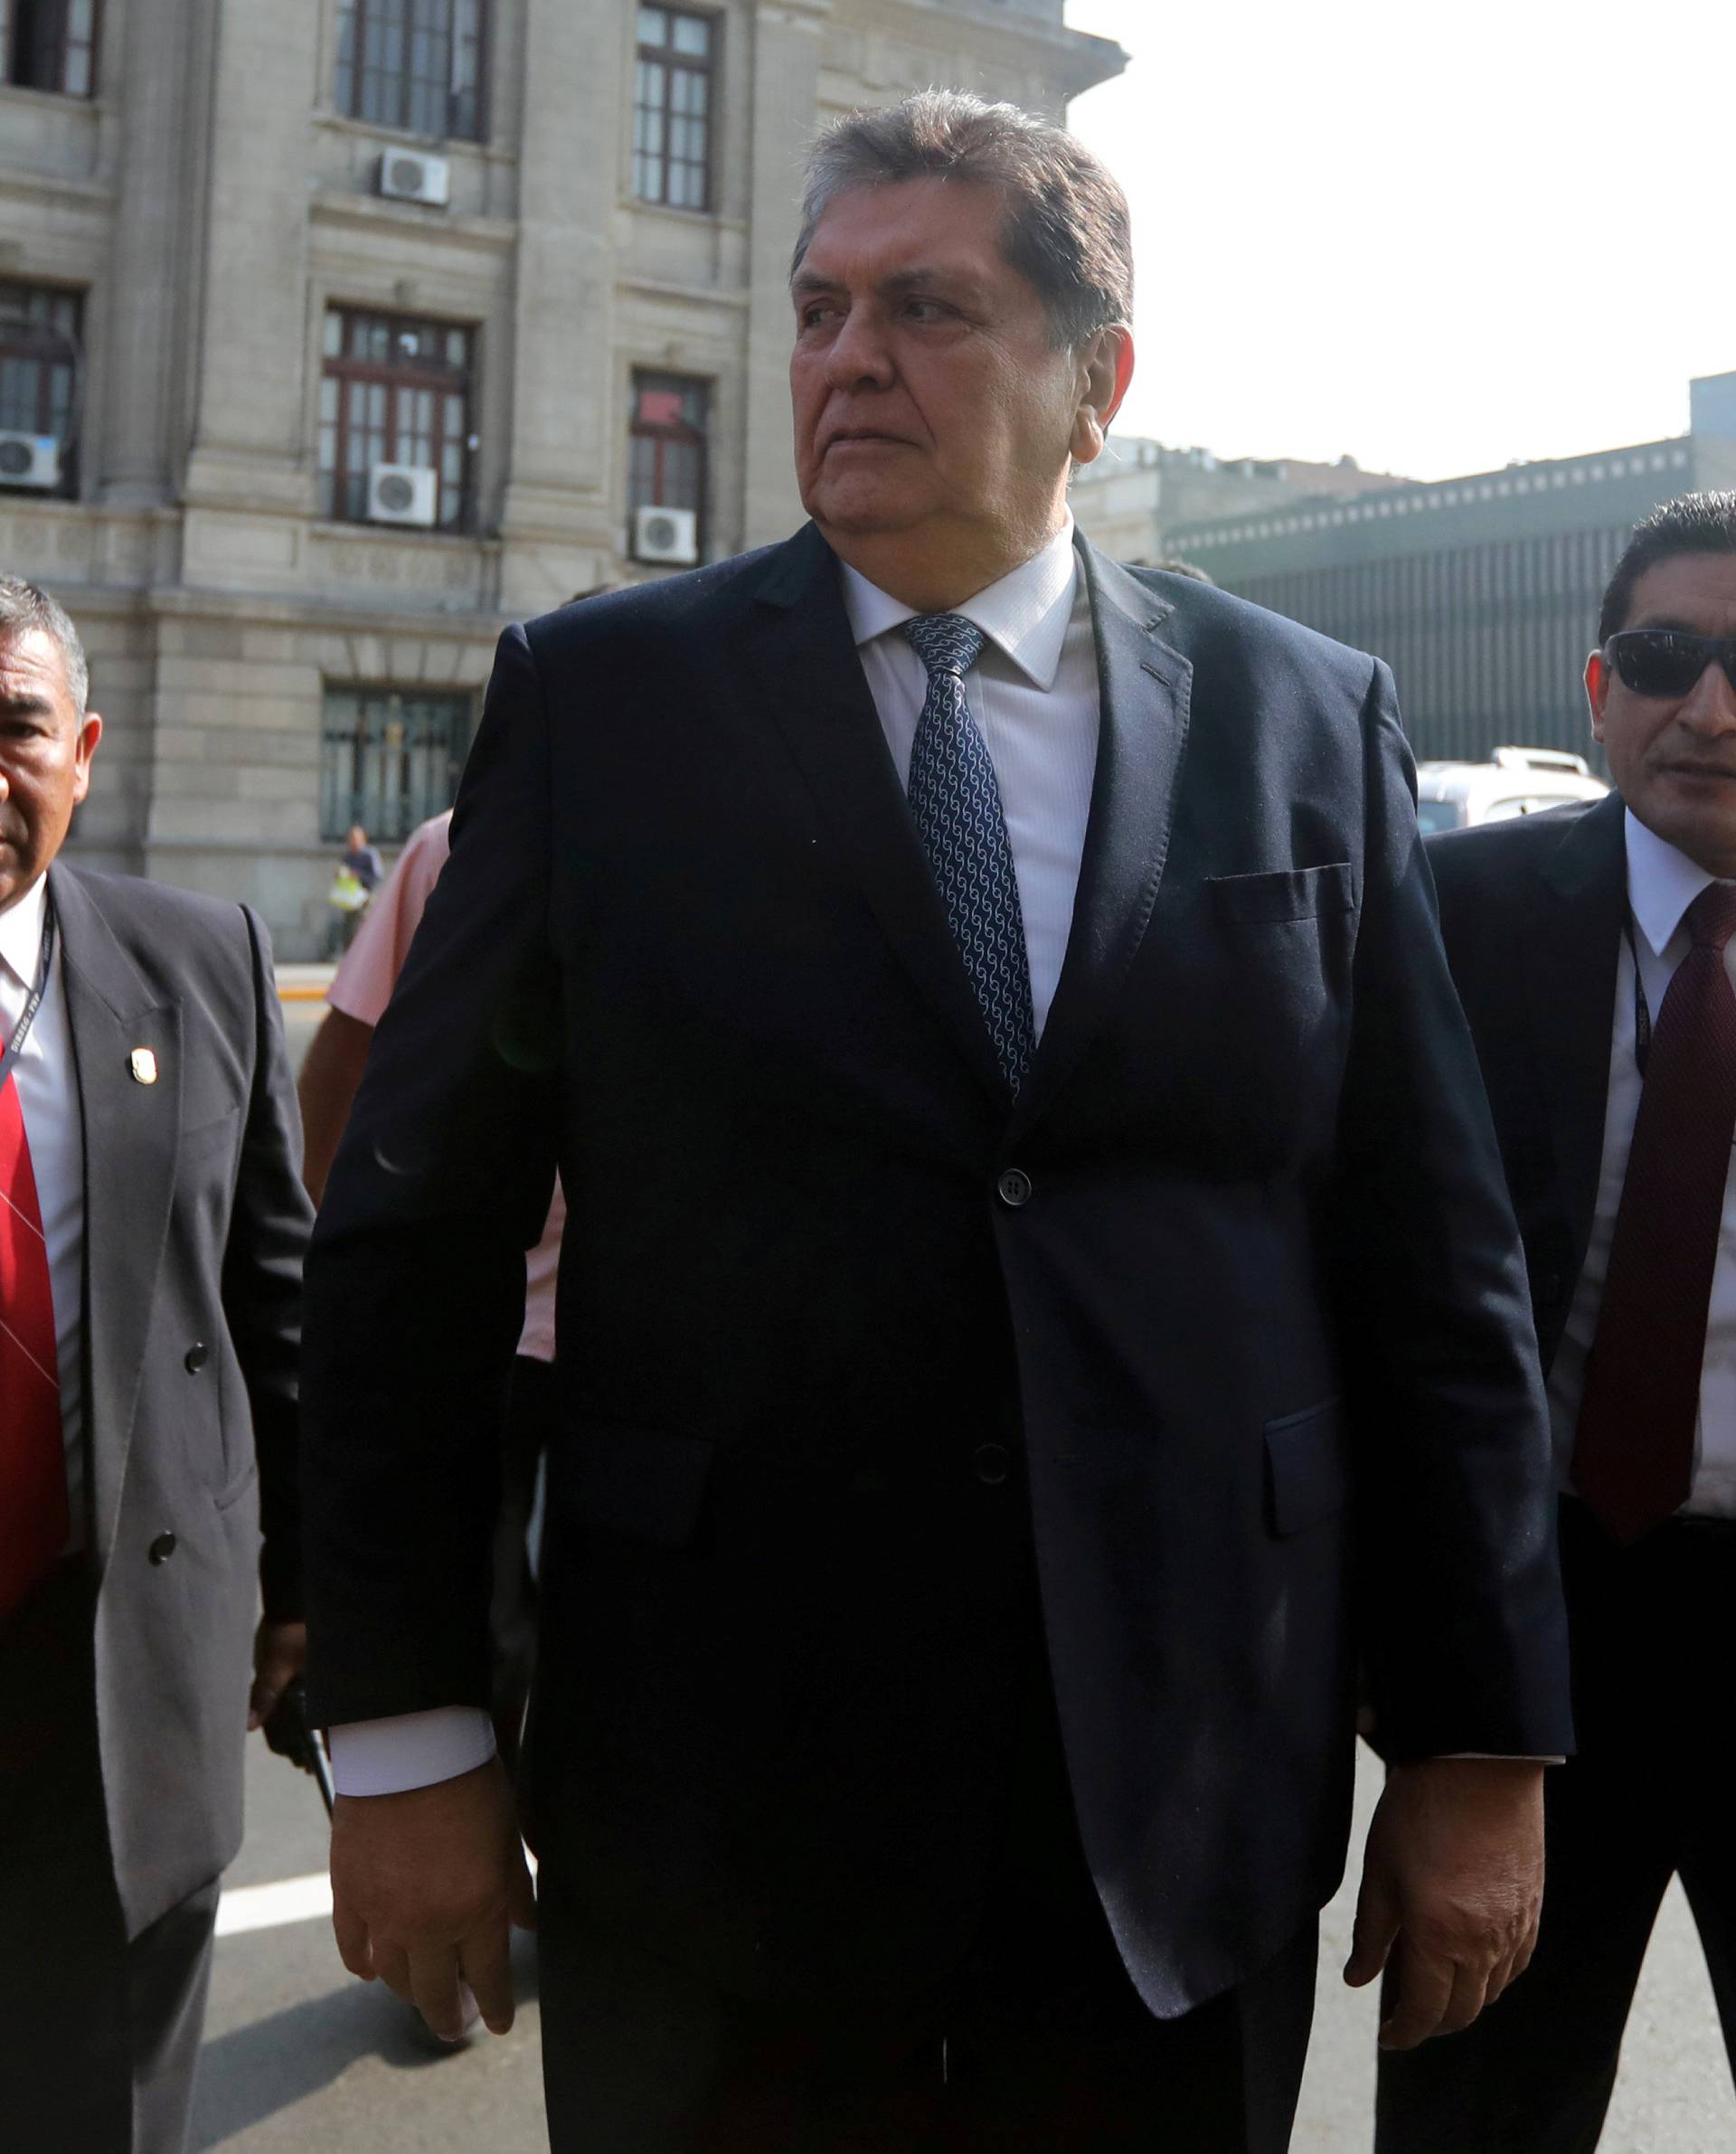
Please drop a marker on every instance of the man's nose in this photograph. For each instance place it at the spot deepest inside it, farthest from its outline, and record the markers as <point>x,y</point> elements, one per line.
<point>859,352</point>
<point>1710,706</point>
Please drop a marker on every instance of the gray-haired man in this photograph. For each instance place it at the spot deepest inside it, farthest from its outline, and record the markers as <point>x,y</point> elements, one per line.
<point>1030,1194</point>
<point>152,1223</point>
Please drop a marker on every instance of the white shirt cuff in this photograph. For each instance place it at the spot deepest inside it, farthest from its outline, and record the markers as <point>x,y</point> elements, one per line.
<point>410,1749</point>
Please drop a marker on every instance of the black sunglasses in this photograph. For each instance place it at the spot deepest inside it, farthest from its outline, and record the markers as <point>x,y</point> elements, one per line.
<point>1669,661</point>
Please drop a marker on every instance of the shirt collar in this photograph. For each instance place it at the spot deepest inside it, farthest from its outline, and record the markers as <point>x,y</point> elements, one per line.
<point>21,933</point>
<point>1025,615</point>
<point>1661,884</point>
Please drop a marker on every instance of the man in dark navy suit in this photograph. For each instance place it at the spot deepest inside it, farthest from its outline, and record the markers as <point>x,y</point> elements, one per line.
<point>1038,1299</point>
<point>1593,949</point>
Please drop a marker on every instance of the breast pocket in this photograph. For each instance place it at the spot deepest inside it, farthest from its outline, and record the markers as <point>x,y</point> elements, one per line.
<point>1278,895</point>
<point>1247,1019</point>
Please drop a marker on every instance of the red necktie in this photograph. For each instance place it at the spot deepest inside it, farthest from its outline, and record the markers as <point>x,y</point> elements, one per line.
<point>1633,1449</point>
<point>32,1464</point>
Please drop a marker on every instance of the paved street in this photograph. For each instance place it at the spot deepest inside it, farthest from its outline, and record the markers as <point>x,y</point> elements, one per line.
<point>301,991</point>
<point>298,2057</point>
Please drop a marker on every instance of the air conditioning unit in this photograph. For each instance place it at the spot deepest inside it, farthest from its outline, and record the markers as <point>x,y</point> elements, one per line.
<point>665,534</point>
<point>30,460</point>
<point>407,175</point>
<point>402,493</point>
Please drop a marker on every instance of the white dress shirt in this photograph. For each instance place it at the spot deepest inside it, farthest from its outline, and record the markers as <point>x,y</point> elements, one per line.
<point>1661,884</point>
<point>1033,693</point>
<point>55,1129</point>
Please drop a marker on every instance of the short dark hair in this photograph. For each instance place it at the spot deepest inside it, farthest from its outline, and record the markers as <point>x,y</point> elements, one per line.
<point>25,609</point>
<point>1693,523</point>
<point>1067,226</point>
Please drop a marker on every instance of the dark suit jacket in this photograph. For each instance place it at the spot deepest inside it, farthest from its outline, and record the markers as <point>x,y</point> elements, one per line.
<point>1256,1345</point>
<point>195,1221</point>
<point>1532,911</point>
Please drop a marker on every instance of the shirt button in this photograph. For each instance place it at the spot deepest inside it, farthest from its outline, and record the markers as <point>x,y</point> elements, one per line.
<point>197,1356</point>
<point>990,1462</point>
<point>1015,1187</point>
<point>162,1548</point>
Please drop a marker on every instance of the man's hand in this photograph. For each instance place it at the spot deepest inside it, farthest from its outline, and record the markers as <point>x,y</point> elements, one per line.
<point>1452,1888</point>
<point>424,1887</point>
<point>279,1653</point>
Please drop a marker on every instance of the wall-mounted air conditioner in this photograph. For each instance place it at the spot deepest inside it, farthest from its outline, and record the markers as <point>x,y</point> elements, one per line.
<point>665,534</point>
<point>408,175</point>
<point>30,460</point>
<point>402,493</point>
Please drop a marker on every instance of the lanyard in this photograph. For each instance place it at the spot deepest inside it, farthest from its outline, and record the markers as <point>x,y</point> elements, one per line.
<point>14,1047</point>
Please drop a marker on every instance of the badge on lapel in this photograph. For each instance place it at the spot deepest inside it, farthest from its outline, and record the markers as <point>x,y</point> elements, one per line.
<point>143,1065</point>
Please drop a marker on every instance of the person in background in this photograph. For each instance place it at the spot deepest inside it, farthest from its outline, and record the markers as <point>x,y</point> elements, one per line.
<point>359,874</point>
<point>1594,950</point>
<point>332,1071</point>
<point>1038,1304</point>
<point>152,1224</point>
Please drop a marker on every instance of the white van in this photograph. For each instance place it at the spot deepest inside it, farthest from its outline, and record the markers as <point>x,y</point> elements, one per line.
<point>1514,781</point>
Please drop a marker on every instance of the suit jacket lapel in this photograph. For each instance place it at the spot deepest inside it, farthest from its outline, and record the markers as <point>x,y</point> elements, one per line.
<point>1144,690</point>
<point>1571,949</point>
<point>811,681</point>
<point>131,1133</point>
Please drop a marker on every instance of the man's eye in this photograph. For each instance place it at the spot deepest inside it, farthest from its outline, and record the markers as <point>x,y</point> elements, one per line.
<point>926,310</point>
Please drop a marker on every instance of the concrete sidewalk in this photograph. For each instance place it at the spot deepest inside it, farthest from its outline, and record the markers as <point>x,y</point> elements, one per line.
<point>304,983</point>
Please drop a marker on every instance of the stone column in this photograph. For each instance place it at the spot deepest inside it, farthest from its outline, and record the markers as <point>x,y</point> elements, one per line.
<point>556,507</point>
<point>248,452</point>
<point>151,284</point>
<point>786,104</point>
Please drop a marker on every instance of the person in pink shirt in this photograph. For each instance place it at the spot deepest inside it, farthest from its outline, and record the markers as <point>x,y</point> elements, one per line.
<point>358,996</point>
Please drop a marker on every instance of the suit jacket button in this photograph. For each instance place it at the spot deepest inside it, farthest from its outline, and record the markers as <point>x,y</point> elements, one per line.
<point>197,1356</point>
<point>162,1548</point>
<point>991,1463</point>
<point>1015,1187</point>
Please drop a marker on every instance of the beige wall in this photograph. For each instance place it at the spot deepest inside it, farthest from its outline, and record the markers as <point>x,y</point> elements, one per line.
<point>212,206</point>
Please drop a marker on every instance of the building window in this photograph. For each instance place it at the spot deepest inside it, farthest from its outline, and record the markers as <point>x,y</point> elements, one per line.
<point>394,390</point>
<point>672,107</point>
<point>42,372</point>
<point>415,65</point>
<point>665,465</point>
<point>48,44</point>
<point>389,760</point>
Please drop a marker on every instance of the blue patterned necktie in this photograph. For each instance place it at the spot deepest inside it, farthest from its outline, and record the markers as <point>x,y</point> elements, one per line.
<point>956,802</point>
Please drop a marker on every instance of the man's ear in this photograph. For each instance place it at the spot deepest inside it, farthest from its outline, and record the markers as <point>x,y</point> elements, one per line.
<point>1597,691</point>
<point>1107,371</point>
<point>84,748</point>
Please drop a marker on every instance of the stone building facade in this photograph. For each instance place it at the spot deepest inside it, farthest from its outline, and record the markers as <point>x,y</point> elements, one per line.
<point>334,333</point>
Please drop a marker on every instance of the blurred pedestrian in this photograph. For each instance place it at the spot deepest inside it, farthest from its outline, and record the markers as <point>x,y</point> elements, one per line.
<point>335,1059</point>
<point>1038,1299</point>
<point>152,1223</point>
<point>1594,951</point>
<point>359,874</point>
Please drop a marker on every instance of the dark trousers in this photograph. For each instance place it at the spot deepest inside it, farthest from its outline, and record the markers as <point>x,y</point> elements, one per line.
<point>1646,1797</point>
<point>98,2034</point>
<point>1039,2044</point>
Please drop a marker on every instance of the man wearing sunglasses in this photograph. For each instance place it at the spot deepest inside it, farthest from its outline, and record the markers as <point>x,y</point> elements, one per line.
<point>1593,950</point>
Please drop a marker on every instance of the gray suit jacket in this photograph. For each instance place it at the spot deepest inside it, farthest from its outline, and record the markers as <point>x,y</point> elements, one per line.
<point>195,1221</point>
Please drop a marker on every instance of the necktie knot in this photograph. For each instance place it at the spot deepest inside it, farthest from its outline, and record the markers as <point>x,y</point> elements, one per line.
<point>1712,917</point>
<point>946,643</point>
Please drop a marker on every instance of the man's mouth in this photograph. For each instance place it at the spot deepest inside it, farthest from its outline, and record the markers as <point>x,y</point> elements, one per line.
<point>1683,769</point>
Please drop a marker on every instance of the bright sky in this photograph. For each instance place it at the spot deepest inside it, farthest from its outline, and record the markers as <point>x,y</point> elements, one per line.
<point>1437,238</point>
